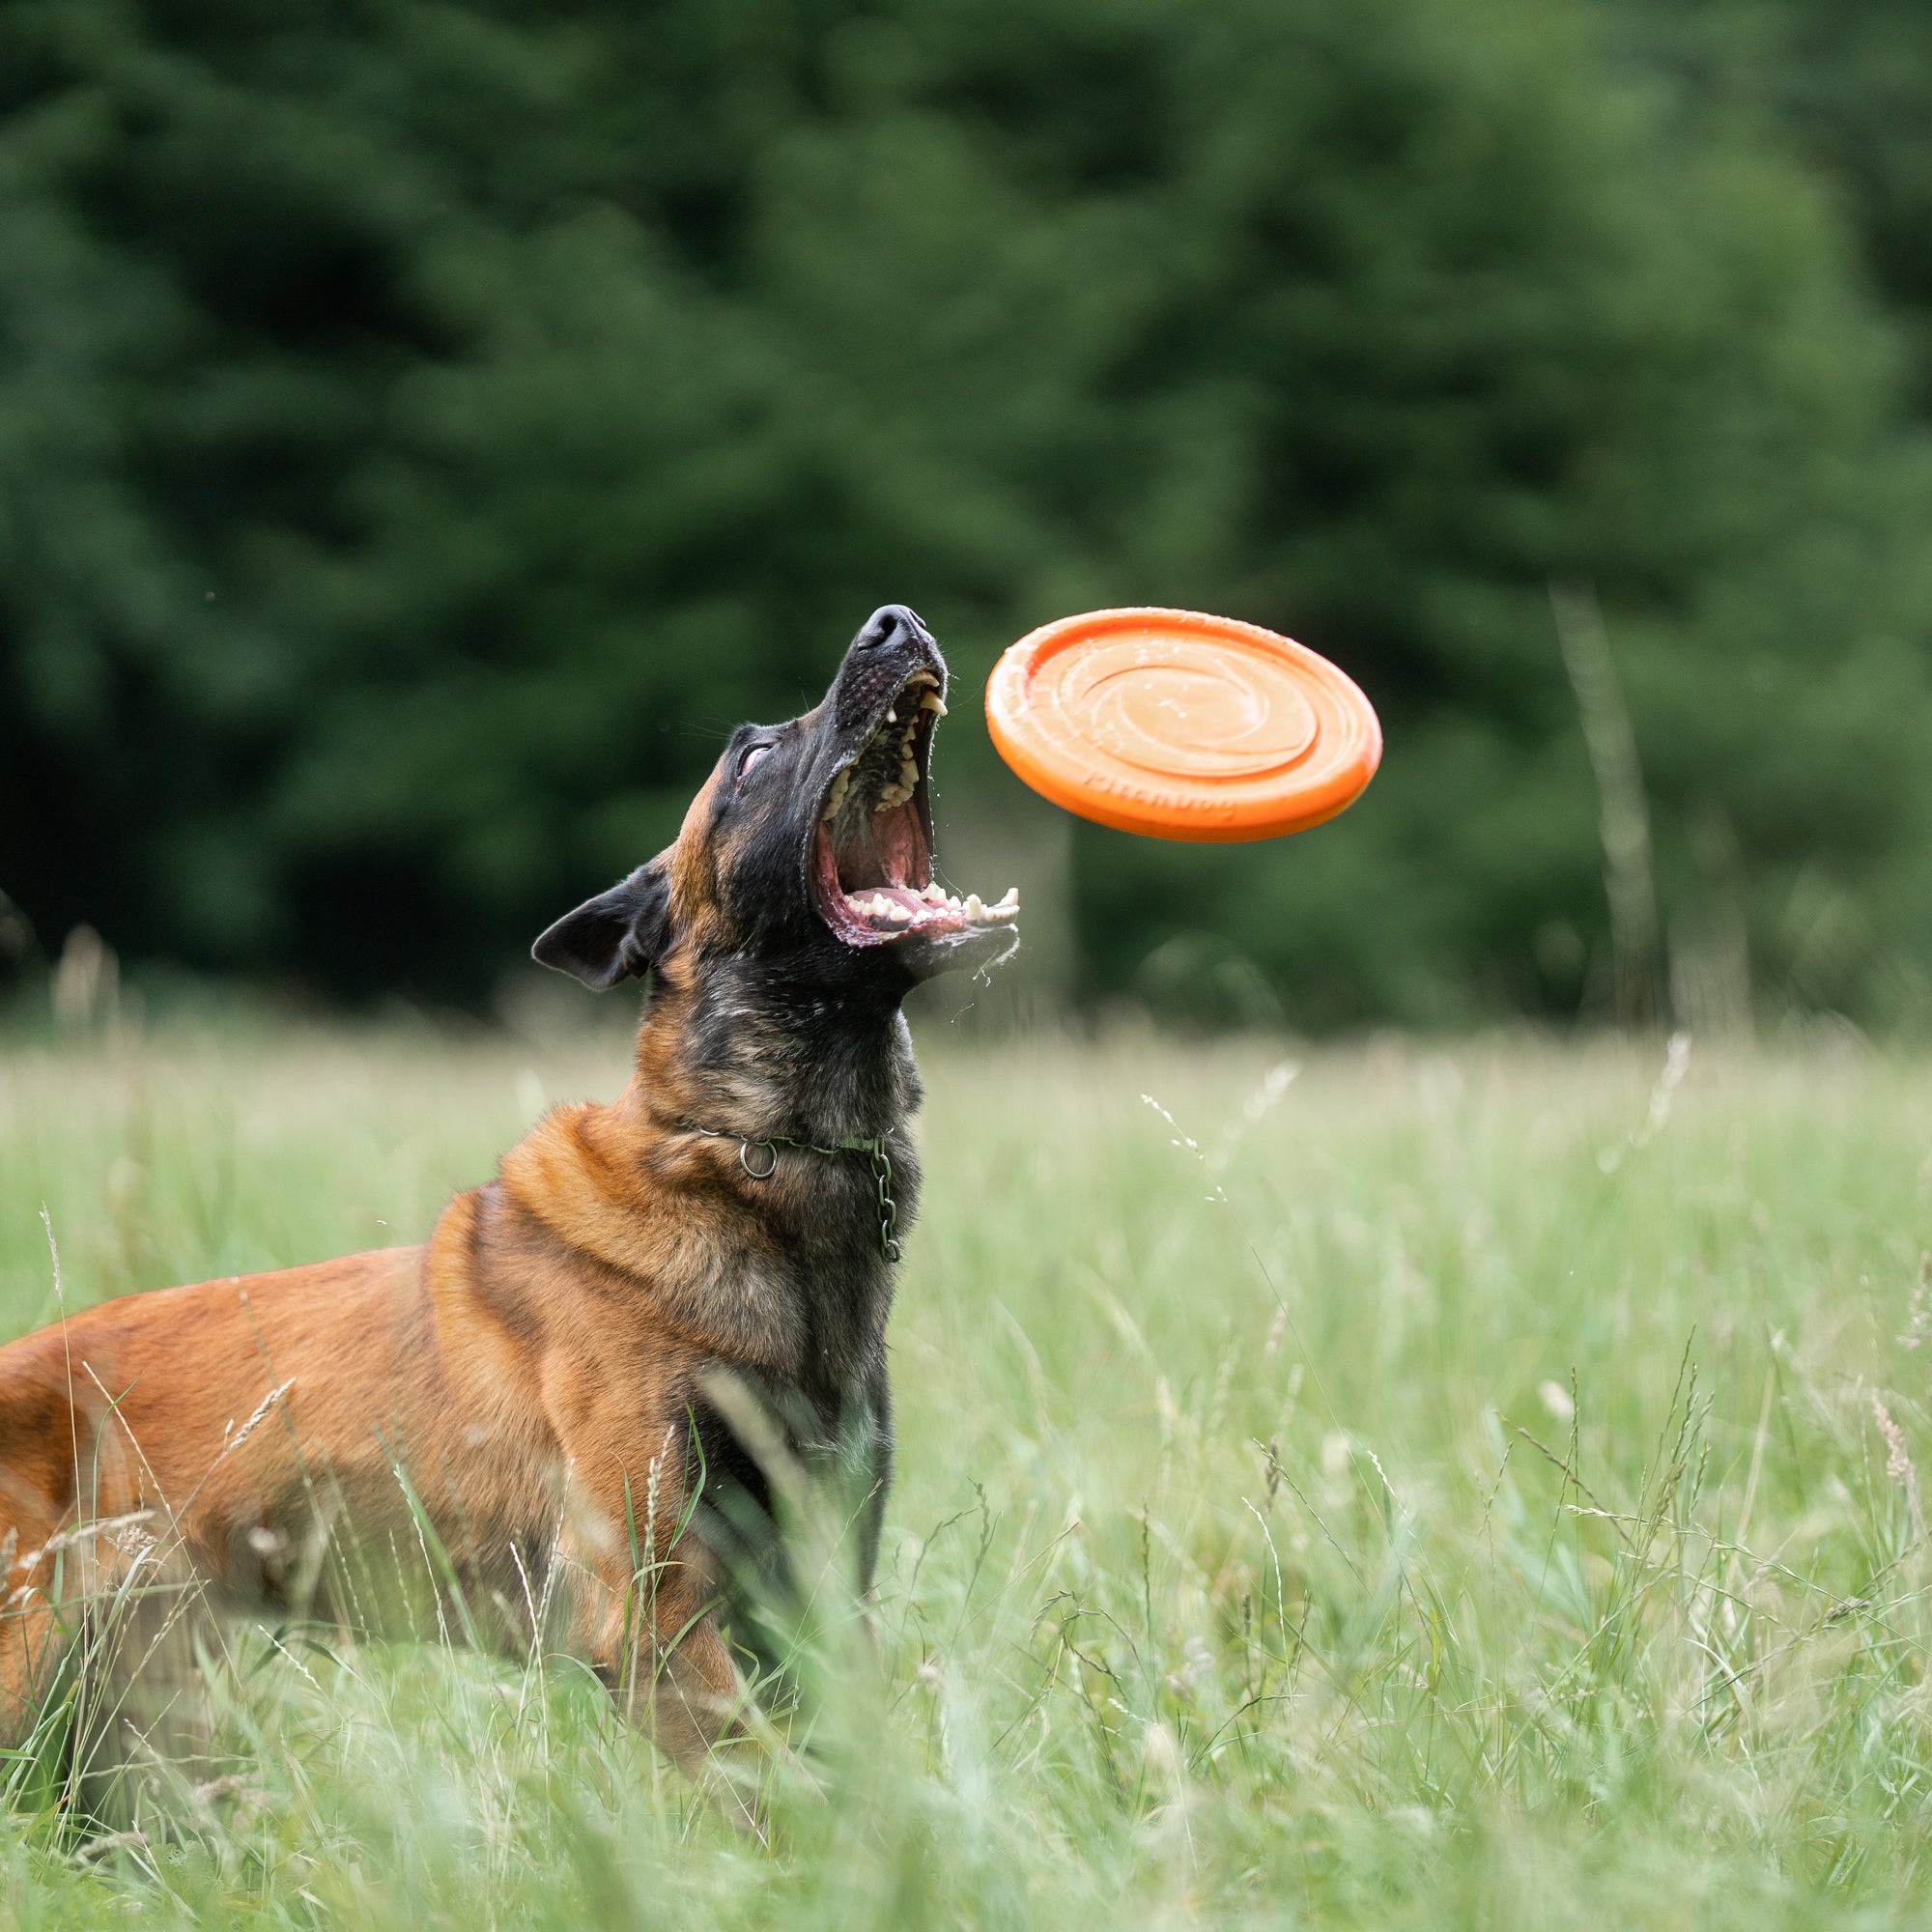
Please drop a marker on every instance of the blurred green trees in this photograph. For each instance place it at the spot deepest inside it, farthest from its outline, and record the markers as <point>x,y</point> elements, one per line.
<point>424,429</point>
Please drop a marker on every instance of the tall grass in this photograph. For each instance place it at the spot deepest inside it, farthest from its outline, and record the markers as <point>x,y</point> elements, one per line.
<point>1408,1489</point>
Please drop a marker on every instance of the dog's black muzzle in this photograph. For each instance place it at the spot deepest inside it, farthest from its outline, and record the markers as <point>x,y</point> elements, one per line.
<point>891,644</point>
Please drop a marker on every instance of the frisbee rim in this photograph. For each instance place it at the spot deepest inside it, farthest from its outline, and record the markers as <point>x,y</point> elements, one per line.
<point>1348,731</point>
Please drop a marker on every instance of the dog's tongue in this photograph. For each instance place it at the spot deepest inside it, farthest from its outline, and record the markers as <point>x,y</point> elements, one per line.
<point>903,895</point>
<point>900,909</point>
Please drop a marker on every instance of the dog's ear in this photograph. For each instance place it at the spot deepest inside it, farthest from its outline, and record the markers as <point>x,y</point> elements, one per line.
<point>619,935</point>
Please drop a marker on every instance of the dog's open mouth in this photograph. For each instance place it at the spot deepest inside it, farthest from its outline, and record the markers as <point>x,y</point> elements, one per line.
<point>871,864</point>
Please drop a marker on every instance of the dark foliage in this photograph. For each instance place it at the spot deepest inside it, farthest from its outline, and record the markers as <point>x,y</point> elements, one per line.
<point>424,430</point>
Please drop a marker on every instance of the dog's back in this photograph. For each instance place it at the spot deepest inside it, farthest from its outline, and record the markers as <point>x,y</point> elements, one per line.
<point>194,1419</point>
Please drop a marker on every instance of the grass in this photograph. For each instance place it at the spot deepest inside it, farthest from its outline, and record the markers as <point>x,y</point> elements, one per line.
<point>1452,1488</point>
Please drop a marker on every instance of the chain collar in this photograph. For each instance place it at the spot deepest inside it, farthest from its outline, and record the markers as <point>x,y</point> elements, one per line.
<point>874,1148</point>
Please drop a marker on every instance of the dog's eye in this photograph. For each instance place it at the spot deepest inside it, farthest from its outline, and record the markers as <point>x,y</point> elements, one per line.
<point>751,756</point>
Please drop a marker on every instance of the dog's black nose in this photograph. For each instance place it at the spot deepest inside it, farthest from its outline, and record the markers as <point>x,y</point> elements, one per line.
<point>891,624</point>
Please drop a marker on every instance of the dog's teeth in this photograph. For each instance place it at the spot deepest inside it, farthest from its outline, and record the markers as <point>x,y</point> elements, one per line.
<point>899,913</point>
<point>891,715</point>
<point>930,700</point>
<point>934,893</point>
<point>1010,901</point>
<point>976,911</point>
<point>908,776</point>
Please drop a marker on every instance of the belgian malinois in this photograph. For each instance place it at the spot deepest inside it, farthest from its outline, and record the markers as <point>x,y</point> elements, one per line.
<point>538,1384</point>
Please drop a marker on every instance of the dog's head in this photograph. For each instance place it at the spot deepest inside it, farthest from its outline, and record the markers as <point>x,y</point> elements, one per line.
<point>810,847</point>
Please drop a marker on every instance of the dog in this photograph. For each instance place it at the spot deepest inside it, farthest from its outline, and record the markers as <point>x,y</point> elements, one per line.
<point>571,1375</point>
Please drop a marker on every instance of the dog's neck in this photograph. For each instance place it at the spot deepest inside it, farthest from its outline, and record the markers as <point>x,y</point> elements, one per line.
<point>758,1049</point>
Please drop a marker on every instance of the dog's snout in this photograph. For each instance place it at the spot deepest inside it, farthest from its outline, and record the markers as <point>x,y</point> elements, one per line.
<point>889,625</point>
<point>891,643</point>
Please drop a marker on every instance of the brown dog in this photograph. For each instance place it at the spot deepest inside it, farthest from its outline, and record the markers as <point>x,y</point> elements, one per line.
<point>540,1384</point>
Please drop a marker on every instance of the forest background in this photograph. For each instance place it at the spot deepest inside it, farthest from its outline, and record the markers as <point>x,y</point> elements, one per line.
<point>424,428</point>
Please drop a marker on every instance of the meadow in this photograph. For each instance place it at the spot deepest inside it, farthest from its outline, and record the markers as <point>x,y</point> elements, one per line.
<point>1389,1487</point>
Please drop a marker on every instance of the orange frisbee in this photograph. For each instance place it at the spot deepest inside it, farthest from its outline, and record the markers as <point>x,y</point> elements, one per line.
<point>1177,724</point>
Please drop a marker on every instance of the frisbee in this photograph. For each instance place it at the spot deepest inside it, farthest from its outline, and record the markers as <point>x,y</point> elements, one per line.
<point>1177,724</point>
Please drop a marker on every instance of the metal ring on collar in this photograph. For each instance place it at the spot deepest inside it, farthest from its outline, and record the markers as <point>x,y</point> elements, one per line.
<point>770,1168</point>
